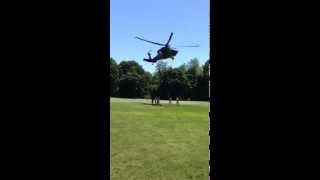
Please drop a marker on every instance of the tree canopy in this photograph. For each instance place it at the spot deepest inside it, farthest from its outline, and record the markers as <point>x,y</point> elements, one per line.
<point>189,81</point>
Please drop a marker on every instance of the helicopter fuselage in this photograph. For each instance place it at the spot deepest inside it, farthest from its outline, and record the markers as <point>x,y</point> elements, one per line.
<point>165,53</point>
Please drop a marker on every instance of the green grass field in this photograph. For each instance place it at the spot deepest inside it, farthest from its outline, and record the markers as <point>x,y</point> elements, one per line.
<point>165,142</point>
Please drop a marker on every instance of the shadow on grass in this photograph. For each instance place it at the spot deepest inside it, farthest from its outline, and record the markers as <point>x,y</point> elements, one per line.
<point>150,104</point>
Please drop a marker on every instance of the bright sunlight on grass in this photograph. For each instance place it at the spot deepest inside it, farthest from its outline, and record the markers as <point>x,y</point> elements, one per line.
<point>165,142</point>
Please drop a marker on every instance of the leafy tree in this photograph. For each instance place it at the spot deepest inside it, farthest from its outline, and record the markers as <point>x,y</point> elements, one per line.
<point>193,67</point>
<point>193,71</point>
<point>161,66</point>
<point>114,77</point>
<point>206,68</point>
<point>183,67</point>
<point>176,83</point>
<point>134,80</point>
<point>131,86</point>
<point>129,80</point>
<point>203,83</point>
<point>130,66</point>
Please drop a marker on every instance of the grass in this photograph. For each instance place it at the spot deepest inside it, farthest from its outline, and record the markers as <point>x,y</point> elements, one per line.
<point>165,142</point>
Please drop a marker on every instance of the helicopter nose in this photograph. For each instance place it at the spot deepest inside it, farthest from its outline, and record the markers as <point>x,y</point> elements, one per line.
<point>175,52</point>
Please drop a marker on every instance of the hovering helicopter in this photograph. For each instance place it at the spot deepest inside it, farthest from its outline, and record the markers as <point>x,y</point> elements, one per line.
<point>164,52</point>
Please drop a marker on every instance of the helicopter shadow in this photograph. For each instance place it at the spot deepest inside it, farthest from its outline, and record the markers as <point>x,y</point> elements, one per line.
<point>150,104</point>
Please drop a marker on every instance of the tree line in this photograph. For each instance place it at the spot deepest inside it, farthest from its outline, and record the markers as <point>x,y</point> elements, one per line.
<point>187,82</point>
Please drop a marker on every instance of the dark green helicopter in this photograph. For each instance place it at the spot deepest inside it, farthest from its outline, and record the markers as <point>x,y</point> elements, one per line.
<point>164,52</point>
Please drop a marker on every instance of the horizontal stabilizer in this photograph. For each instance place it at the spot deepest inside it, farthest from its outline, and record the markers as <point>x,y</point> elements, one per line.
<point>149,60</point>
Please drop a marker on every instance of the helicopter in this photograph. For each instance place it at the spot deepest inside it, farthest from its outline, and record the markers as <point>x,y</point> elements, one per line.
<point>164,52</point>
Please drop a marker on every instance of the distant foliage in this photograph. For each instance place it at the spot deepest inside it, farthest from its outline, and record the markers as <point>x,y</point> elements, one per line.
<point>189,81</point>
<point>114,77</point>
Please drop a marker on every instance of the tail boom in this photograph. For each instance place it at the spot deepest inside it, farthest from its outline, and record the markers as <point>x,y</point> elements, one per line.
<point>150,60</point>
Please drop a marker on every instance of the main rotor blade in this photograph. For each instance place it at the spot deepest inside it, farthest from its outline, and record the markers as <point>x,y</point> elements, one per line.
<point>150,41</point>
<point>169,38</point>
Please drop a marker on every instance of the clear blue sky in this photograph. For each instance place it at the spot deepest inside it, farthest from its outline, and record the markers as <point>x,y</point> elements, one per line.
<point>154,20</point>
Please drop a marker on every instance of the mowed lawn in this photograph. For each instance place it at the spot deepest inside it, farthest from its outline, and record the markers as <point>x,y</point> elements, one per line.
<point>165,142</point>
